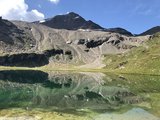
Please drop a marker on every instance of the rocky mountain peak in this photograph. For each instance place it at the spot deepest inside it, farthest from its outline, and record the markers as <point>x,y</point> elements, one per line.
<point>73,21</point>
<point>70,21</point>
<point>73,14</point>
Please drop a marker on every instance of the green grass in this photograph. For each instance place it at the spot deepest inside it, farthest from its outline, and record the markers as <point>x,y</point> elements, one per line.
<point>141,60</point>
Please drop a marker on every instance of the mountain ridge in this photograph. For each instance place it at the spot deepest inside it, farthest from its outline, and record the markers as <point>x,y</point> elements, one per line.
<point>151,31</point>
<point>73,21</point>
<point>34,41</point>
<point>70,21</point>
<point>23,43</point>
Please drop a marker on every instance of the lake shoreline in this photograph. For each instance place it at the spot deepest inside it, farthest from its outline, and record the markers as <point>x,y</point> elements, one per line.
<point>78,70</point>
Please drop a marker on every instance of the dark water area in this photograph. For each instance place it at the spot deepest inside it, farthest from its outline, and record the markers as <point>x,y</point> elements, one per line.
<point>94,95</point>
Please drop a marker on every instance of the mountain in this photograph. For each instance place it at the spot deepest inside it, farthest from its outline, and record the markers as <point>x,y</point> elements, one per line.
<point>73,21</point>
<point>151,31</point>
<point>33,44</point>
<point>70,21</point>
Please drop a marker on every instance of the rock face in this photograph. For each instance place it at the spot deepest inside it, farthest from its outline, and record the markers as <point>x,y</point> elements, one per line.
<point>12,38</point>
<point>24,59</point>
<point>31,59</point>
<point>40,45</point>
<point>151,31</point>
<point>70,21</point>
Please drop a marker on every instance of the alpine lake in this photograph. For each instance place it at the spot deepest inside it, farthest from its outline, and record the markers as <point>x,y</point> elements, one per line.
<point>64,95</point>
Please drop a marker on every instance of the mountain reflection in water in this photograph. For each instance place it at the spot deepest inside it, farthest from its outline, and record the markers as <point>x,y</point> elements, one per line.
<point>62,91</point>
<point>68,91</point>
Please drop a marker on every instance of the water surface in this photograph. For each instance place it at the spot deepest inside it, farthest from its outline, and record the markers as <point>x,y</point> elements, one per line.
<point>36,95</point>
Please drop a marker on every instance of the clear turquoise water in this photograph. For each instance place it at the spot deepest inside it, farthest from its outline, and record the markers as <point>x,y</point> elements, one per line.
<point>106,95</point>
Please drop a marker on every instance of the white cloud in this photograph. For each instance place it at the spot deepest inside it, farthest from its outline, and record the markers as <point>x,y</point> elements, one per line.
<point>18,10</point>
<point>54,1</point>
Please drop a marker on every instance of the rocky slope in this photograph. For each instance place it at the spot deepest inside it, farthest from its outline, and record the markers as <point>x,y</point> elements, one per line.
<point>34,44</point>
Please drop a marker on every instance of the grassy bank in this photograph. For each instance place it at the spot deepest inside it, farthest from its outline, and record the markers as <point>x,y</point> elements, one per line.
<point>141,60</point>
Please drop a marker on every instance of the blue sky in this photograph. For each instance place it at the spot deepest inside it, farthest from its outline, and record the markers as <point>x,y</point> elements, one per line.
<point>133,15</point>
